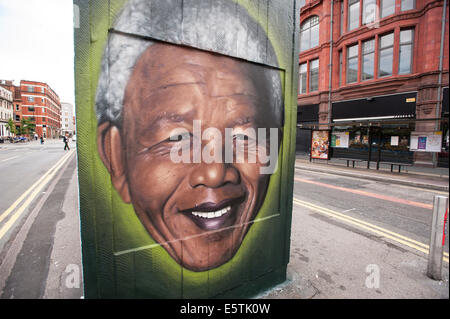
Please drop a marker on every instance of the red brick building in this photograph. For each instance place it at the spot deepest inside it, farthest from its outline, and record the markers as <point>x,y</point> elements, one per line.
<point>377,71</point>
<point>41,103</point>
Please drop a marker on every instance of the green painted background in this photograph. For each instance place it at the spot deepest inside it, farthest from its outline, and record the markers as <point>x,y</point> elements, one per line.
<point>108,226</point>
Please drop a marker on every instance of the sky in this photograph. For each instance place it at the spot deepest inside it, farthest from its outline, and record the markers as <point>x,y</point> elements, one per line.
<point>36,43</point>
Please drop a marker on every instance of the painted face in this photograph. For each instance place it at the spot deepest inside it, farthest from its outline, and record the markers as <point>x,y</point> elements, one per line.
<point>199,212</point>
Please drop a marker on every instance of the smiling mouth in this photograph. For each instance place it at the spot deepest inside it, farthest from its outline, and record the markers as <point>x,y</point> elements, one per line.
<point>218,213</point>
<point>211,216</point>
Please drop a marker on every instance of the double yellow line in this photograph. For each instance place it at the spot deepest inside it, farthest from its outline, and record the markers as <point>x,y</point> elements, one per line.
<point>30,195</point>
<point>369,227</point>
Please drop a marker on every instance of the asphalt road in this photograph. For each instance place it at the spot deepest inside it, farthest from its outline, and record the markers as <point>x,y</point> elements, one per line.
<point>32,189</point>
<point>406,211</point>
<point>22,164</point>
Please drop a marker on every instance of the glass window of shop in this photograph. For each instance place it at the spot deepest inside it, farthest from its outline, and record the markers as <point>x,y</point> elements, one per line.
<point>309,33</point>
<point>389,142</point>
<point>408,5</point>
<point>353,14</point>
<point>368,57</point>
<point>406,51</point>
<point>386,55</point>
<point>369,11</point>
<point>352,64</point>
<point>314,75</point>
<point>387,8</point>
<point>302,79</point>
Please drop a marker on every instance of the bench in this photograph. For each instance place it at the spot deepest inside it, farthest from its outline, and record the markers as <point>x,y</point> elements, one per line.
<point>396,163</point>
<point>350,160</point>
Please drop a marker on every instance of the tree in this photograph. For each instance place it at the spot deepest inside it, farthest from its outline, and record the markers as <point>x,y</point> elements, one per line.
<point>11,126</point>
<point>27,126</point>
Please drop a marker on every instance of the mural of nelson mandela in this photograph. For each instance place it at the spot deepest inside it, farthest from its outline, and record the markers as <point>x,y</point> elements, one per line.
<point>161,75</point>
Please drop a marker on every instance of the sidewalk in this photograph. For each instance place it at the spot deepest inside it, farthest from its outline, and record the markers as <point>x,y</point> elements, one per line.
<point>333,260</point>
<point>425,177</point>
<point>33,143</point>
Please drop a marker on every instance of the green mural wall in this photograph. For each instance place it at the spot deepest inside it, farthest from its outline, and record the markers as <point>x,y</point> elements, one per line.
<point>124,255</point>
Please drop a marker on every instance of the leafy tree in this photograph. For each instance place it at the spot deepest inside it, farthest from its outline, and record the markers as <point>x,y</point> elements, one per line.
<point>11,126</point>
<point>27,126</point>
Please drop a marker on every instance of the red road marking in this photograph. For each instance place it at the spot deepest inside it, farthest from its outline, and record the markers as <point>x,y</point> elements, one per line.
<point>355,191</point>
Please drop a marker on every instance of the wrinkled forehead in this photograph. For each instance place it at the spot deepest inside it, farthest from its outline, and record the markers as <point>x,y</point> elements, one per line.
<point>164,65</point>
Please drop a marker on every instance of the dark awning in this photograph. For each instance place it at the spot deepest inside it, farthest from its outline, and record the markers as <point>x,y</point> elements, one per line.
<point>388,106</point>
<point>308,113</point>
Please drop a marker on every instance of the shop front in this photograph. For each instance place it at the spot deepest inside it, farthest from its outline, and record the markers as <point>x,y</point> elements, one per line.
<point>377,128</point>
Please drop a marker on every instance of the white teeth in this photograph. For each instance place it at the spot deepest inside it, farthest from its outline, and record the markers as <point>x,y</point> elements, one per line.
<point>215,214</point>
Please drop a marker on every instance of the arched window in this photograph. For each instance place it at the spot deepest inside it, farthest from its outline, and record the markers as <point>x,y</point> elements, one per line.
<point>309,33</point>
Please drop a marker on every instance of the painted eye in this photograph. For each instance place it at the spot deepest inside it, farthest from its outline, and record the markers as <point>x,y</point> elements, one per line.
<point>178,137</point>
<point>241,137</point>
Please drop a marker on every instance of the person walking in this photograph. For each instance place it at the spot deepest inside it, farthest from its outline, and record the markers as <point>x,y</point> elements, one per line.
<point>42,140</point>
<point>66,142</point>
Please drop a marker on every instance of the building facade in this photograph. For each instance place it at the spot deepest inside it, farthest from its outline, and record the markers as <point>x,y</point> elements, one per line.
<point>42,105</point>
<point>6,111</point>
<point>376,73</point>
<point>17,101</point>
<point>67,116</point>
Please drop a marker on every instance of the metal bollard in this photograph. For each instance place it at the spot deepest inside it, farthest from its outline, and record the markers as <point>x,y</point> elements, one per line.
<point>437,239</point>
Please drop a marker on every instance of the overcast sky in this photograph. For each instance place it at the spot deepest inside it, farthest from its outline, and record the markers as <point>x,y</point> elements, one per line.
<point>36,43</point>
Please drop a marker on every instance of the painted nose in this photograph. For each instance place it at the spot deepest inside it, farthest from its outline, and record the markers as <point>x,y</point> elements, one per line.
<point>213,175</point>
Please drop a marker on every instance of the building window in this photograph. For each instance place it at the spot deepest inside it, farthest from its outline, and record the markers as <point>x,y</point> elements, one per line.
<point>352,64</point>
<point>369,11</point>
<point>408,5</point>
<point>17,118</point>
<point>386,54</point>
<point>406,51</point>
<point>30,89</point>
<point>30,99</point>
<point>314,75</point>
<point>387,8</point>
<point>368,60</point>
<point>309,33</point>
<point>302,80</point>
<point>17,107</point>
<point>340,68</point>
<point>43,90</point>
<point>353,14</point>
<point>341,30</point>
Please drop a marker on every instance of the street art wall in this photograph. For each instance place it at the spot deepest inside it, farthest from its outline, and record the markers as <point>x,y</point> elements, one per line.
<point>186,114</point>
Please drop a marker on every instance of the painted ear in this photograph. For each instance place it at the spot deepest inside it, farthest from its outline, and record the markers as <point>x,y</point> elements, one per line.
<point>110,149</point>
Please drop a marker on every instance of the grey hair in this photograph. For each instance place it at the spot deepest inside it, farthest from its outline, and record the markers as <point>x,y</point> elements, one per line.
<point>221,26</point>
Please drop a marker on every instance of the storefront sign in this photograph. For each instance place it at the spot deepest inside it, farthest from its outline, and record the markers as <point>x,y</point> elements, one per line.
<point>394,140</point>
<point>320,144</point>
<point>431,142</point>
